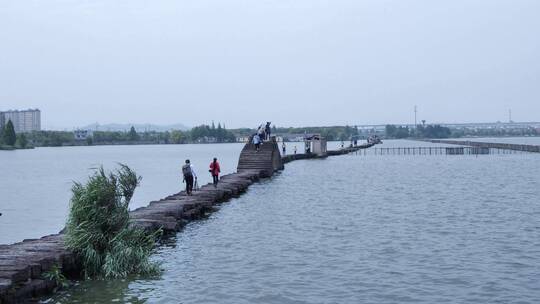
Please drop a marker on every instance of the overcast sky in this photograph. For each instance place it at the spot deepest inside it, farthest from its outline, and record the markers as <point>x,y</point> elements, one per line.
<point>294,62</point>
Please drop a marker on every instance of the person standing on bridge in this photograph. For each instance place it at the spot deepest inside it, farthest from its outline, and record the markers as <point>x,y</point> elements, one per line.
<point>189,176</point>
<point>283,148</point>
<point>257,141</point>
<point>295,150</point>
<point>267,130</point>
<point>215,170</point>
<point>261,133</point>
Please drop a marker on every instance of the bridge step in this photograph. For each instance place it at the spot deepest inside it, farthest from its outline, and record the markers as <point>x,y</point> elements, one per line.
<point>267,159</point>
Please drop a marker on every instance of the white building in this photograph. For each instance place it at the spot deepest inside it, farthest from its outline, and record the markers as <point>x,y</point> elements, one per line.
<point>23,121</point>
<point>242,139</point>
<point>82,134</point>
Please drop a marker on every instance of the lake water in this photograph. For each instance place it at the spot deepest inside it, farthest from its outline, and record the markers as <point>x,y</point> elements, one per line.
<point>35,184</point>
<point>358,229</point>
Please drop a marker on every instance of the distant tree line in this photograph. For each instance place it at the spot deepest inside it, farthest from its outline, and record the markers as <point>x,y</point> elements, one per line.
<point>51,138</point>
<point>437,131</point>
<point>218,134</point>
<point>200,134</point>
<point>397,132</point>
<point>432,131</point>
<point>10,140</point>
<point>421,131</point>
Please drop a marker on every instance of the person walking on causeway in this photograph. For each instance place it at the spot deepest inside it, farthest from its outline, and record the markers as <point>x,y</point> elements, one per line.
<point>215,170</point>
<point>189,177</point>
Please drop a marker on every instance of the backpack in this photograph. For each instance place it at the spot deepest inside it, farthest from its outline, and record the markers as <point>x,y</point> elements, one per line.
<point>186,170</point>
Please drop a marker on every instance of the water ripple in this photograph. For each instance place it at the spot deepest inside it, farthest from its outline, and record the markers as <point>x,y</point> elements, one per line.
<point>359,229</point>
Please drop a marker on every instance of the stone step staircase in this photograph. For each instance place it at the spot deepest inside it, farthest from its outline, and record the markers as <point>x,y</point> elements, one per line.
<point>266,161</point>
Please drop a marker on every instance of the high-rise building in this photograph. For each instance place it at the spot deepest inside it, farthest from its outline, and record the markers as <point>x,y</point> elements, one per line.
<point>23,121</point>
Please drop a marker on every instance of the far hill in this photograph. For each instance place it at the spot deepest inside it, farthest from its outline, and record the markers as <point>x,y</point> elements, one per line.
<point>138,127</point>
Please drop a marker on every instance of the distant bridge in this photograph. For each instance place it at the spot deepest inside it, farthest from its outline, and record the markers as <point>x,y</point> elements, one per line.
<point>475,125</point>
<point>439,151</point>
<point>501,146</point>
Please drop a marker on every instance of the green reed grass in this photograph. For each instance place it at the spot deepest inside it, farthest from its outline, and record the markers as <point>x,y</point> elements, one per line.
<point>98,228</point>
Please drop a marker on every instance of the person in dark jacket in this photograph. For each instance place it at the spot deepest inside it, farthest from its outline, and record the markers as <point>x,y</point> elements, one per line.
<point>215,170</point>
<point>189,176</point>
<point>267,130</point>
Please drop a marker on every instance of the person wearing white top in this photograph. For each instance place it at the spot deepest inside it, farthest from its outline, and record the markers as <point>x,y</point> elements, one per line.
<point>257,142</point>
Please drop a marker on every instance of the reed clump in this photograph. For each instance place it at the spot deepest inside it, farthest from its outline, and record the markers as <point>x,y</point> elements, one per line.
<point>98,228</point>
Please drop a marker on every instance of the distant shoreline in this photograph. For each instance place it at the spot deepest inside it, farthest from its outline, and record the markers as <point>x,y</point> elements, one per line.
<point>11,148</point>
<point>148,143</point>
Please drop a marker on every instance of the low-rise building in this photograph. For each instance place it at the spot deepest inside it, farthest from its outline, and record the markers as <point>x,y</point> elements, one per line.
<point>82,134</point>
<point>207,140</point>
<point>242,139</point>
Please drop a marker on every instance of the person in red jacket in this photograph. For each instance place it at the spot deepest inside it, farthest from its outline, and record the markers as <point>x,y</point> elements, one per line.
<point>215,170</point>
